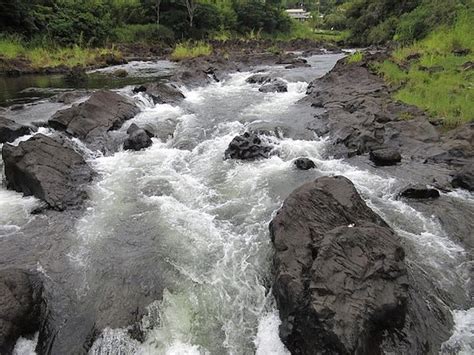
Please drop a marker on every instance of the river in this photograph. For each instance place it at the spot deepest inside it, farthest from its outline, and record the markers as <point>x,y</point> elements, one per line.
<point>180,220</point>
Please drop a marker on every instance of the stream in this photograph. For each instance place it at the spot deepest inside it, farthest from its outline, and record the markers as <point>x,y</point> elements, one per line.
<point>177,219</point>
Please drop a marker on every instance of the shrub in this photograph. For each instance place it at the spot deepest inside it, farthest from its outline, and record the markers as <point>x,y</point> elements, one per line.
<point>355,57</point>
<point>256,15</point>
<point>189,50</point>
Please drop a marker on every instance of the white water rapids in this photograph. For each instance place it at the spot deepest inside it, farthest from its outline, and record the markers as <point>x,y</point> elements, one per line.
<point>207,219</point>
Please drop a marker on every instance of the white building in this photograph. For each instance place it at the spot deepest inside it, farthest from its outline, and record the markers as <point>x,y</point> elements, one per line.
<point>299,14</point>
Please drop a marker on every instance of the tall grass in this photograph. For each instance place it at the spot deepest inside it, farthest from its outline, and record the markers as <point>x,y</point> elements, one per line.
<point>11,47</point>
<point>355,57</point>
<point>435,79</point>
<point>187,50</point>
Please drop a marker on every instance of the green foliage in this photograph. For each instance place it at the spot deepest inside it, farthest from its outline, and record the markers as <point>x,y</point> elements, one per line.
<point>355,57</point>
<point>187,50</point>
<point>11,47</point>
<point>257,15</point>
<point>436,81</point>
<point>147,33</point>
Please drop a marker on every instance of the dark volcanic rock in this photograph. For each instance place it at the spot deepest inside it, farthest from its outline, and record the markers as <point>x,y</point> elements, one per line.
<point>137,139</point>
<point>340,279</point>
<point>20,297</point>
<point>385,156</point>
<point>102,112</point>
<point>291,59</point>
<point>247,147</point>
<point>258,79</point>
<point>275,85</point>
<point>48,169</point>
<point>10,130</point>
<point>464,178</point>
<point>161,93</point>
<point>304,164</point>
<point>419,192</point>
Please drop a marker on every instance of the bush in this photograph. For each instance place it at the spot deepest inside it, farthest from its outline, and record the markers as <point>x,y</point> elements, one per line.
<point>149,33</point>
<point>189,50</point>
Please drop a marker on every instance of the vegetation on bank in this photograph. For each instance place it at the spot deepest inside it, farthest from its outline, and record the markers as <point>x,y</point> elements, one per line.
<point>437,73</point>
<point>187,50</point>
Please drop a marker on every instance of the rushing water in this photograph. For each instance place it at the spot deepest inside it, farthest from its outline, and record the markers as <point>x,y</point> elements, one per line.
<point>180,215</point>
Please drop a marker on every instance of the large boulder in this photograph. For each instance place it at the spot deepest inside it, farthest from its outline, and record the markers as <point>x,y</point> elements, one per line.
<point>258,78</point>
<point>304,164</point>
<point>20,306</point>
<point>340,279</point>
<point>102,112</point>
<point>248,146</point>
<point>137,139</point>
<point>47,168</point>
<point>385,156</point>
<point>10,130</point>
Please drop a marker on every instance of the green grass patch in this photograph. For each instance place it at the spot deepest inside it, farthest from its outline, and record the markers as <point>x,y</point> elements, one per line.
<point>432,77</point>
<point>187,50</point>
<point>11,47</point>
<point>355,57</point>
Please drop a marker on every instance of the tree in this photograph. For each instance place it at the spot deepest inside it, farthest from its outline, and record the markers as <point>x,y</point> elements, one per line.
<point>157,10</point>
<point>191,6</point>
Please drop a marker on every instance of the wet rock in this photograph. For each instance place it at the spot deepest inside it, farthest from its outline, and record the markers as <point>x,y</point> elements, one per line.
<point>298,65</point>
<point>340,280</point>
<point>419,192</point>
<point>275,85</point>
<point>137,138</point>
<point>10,130</point>
<point>68,97</point>
<point>304,164</point>
<point>102,112</point>
<point>49,169</point>
<point>111,59</point>
<point>121,73</point>
<point>258,79</point>
<point>464,178</point>
<point>133,127</point>
<point>248,146</point>
<point>291,59</point>
<point>20,298</point>
<point>385,156</point>
<point>161,93</point>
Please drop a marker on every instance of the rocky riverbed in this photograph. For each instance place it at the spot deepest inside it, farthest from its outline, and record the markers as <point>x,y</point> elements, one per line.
<point>140,219</point>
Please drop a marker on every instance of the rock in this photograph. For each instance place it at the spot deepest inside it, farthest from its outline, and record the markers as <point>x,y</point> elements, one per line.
<point>48,169</point>
<point>102,112</point>
<point>340,280</point>
<point>419,192</point>
<point>20,298</point>
<point>291,59</point>
<point>461,51</point>
<point>138,89</point>
<point>10,130</point>
<point>161,93</point>
<point>76,76</point>
<point>258,79</point>
<point>137,138</point>
<point>133,127</point>
<point>298,65</point>
<point>385,156</point>
<point>464,178</point>
<point>275,85</point>
<point>248,146</point>
<point>304,164</point>
<point>112,59</point>
<point>121,73</point>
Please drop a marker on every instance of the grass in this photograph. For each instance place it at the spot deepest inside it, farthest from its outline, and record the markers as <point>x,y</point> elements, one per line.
<point>355,57</point>
<point>435,80</point>
<point>188,50</point>
<point>41,57</point>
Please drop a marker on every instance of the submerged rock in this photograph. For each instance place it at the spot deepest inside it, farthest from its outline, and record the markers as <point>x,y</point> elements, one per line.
<point>248,146</point>
<point>340,279</point>
<point>20,304</point>
<point>10,130</point>
<point>48,169</point>
<point>276,85</point>
<point>102,112</point>
<point>419,192</point>
<point>304,164</point>
<point>385,156</point>
<point>137,139</point>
